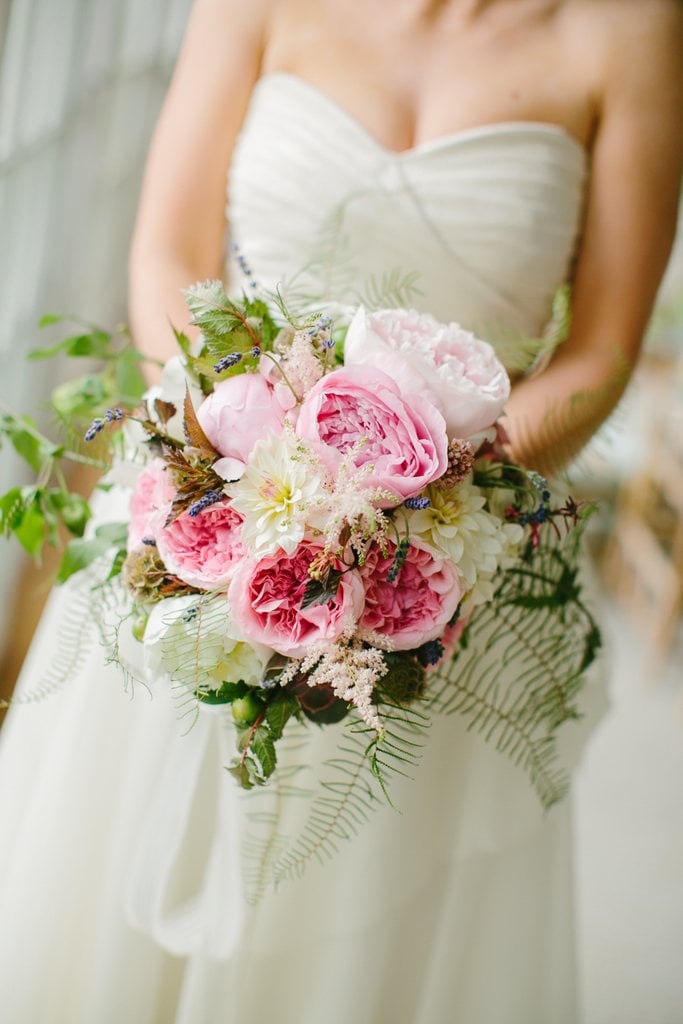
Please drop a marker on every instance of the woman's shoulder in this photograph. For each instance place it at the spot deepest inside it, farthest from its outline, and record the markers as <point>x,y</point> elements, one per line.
<point>631,51</point>
<point>628,31</point>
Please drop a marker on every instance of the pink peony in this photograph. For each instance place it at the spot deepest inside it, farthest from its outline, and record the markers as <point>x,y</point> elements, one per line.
<point>149,503</point>
<point>401,444</point>
<point>204,550</point>
<point>266,596</point>
<point>456,371</point>
<point>240,411</point>
<point>417,606</point>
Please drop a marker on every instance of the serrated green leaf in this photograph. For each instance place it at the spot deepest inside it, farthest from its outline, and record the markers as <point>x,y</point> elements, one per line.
<point>279,711</point>
<point>262,748</point>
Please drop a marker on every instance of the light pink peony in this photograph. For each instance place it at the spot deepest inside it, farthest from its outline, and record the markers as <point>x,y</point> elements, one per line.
<point>149,503</point>
<point>417,606</point>
<point>240,411</point>
<point>456,371</point>
<point>402,444</point>
<point>204,550</point>
<point>265,598</point>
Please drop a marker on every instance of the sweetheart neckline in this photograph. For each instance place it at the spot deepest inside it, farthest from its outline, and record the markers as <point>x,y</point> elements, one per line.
<point>462,135</point>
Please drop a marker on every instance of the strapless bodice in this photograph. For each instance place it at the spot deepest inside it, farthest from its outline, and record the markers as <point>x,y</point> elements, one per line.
<point>483,223</point>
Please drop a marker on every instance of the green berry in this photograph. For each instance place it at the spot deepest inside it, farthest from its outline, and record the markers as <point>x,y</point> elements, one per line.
<point>245,710</point>
<point>139,625</point>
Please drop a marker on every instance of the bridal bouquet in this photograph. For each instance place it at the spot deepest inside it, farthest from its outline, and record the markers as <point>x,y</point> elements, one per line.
<point>322,517</point>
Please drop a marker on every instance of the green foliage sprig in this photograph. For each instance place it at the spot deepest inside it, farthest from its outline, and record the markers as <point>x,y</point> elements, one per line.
<point>42,512</point>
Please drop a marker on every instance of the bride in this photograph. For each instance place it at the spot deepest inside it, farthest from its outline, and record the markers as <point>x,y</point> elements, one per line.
<point>494,150</point>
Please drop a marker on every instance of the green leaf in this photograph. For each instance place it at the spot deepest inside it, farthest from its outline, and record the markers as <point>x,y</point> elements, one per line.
<point>84,397</point>
<point>279,711</point>
<point>30,530</point>
<point>321,591</point>
<point>117,564</point>
<point>79,554</point>
<point>12,505</point>
<point>130,383</point>
<point>183,341</point>
<point>240,771</point>
<point>262,749</point>
<point>114,534</point>
<point>72,509</point>
<point>28,442</point>
<point>225,694</point>
<point>52,318</point>
<point>95,345</point>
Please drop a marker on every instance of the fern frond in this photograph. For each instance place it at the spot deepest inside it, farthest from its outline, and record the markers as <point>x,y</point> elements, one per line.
<point>520,667</point>
<point>395,288</point>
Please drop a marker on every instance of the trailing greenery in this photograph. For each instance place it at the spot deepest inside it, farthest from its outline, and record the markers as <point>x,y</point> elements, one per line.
<point>42,512</point>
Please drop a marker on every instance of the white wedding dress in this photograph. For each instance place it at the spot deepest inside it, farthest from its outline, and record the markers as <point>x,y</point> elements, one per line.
<point>121,898</point>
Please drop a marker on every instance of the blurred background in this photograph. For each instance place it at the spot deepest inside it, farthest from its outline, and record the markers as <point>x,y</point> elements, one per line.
<point>81,82</point>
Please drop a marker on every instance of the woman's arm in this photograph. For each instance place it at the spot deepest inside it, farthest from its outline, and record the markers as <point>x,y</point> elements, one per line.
<point>629,229</point>
<point>180,229</point>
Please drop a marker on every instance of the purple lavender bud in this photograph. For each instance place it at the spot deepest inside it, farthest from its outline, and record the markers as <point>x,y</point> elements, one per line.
<point>93,430</point>
<point>417,504</point>
<point>149,542</point>
<point>255,352</point>
<point>232,359</point>
<point>210,498</point>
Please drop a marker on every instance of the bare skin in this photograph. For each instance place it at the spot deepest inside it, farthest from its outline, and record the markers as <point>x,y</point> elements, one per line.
<point>609,71</point>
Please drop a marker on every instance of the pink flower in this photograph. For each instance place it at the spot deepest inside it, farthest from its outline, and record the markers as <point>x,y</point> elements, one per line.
<point>456,371</point>
<point>240,411</point>
<point>149,503</point>
<point>417,606</point>
<point>266,596</point>
<point>204,550</point>
<point>359,412</point>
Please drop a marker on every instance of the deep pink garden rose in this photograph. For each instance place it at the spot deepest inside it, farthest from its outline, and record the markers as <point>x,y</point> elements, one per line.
<point>456,371</point>
<point>204,550</point>
<point>417,606</point>
<point>265,598</point>
<point>401,443</point>
<point>240,411</point>
<point>149,503</point>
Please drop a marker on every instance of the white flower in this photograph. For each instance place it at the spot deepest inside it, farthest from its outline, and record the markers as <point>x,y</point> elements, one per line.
<point>192,641</point>
<point>459,373</point>
<point>277,494</point>
<point>457,524</point>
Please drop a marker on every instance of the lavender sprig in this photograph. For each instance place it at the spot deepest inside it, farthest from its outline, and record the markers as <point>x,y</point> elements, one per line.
<point>99,423</point>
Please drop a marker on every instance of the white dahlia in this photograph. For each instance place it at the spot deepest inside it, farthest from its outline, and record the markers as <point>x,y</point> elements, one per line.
<point>457,524</point>
<point>276,494</point>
